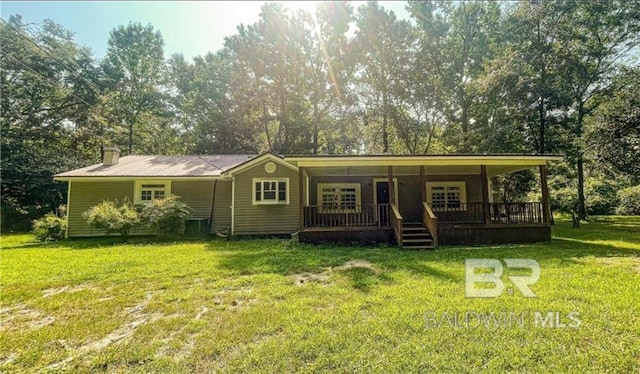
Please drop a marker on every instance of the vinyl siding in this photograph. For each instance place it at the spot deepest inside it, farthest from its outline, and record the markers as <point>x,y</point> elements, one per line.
<point>84,195</point>
<point>197,194</point>
<point>265,219</point>
<point>222,207</point>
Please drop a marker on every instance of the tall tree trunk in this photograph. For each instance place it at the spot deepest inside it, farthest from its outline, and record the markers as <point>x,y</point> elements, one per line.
<point>541,90</point>
<point>385,132</point>
<point>582,211</point>
<point>131,139</point>
<point>315,125</point>
<point>465,128</point>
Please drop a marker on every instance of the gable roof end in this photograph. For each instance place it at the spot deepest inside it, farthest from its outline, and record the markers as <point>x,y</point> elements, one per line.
<point>258,159</point>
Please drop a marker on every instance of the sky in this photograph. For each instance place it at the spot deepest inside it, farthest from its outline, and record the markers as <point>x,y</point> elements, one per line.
<point>192,28</point>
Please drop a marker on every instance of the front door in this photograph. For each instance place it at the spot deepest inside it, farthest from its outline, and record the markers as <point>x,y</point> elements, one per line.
<point>382,197</point>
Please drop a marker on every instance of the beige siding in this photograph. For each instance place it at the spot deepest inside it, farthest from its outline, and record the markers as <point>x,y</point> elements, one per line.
<point>196,194</point>
<point>265,219</point>
<point>84,195</point>
<point>222,207</point>
<point>199,196</point>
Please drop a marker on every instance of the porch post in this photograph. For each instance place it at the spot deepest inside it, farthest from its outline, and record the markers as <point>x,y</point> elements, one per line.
<point>392,192</point>
<point>423,182</point>
<point>485,194</point>
<point>545,193</point>
<point>301,195</point>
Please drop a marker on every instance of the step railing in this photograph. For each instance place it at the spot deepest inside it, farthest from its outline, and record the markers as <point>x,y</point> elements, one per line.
<point>430,221</point>
<point>396,223</point>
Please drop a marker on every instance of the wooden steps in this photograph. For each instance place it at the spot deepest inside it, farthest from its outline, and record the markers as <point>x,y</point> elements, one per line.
<point>416,236</point>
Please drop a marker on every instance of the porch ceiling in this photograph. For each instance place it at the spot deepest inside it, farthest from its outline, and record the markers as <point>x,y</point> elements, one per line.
<point>492,170</point>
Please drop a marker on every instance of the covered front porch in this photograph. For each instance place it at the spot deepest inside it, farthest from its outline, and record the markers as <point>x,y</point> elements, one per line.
<point>417,201</point>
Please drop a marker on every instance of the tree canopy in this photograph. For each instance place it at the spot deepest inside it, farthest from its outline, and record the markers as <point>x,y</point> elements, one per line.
<point>533,77</point>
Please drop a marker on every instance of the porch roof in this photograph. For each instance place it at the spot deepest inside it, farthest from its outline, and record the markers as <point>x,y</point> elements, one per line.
<point>407,164</point>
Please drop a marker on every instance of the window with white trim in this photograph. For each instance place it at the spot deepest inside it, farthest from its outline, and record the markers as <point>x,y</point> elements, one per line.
<point>443,196</point>
<point>342,197</point>
<point>147,191</point>
<point>271,191</point>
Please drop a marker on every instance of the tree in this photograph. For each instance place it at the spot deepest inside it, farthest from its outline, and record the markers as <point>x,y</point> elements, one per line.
<point>596,37</point>
<point>209,122</point>
<point>134,102</point>
<point>613,133</point>
<point>328,70</point>
<point>47,93</point>
<point>383,44</point>
<point>522,80</point>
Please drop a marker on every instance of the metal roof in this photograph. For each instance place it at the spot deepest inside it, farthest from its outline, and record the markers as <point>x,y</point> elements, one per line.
<point>213,166</point>
<point>162,166</point>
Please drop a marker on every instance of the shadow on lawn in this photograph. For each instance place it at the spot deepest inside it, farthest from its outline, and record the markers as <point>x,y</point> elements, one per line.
<point>301,258</point>
<point>445,263</point>
<point>91,243</point>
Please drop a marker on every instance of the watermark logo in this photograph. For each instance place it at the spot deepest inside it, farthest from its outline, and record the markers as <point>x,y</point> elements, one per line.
<point>504,319</point>
<point>491,274</point>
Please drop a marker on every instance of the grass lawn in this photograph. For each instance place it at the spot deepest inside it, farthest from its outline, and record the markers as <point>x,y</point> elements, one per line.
<point>277,306</point>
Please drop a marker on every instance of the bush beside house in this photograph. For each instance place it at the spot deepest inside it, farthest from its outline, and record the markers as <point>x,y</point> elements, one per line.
<point>113,218</point>
<point>49,228</point>
<point>165,217</point>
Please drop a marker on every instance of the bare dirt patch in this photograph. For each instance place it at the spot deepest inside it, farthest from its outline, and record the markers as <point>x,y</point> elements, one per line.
<point>323,277</point>
<point>306,278</point>
<point>9,359</point>
<point>21,317</point>
<point>634,262</point>
<point>355,264</point>
<point>241,303</point>
<point>54,291</point>
<point>187,348</point>
<point>137,317</point>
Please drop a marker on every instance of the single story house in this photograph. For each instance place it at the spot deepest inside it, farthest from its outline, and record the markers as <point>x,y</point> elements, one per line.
<point>415,201</point>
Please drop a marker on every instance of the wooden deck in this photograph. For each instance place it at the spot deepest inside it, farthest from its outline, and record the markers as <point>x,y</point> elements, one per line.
<point>464,224</point>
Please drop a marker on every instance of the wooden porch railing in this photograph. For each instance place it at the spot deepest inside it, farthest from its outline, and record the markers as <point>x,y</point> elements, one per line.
<point>372,215</point>
<point>396,223</point>
<point>499,213</point>
<point>516,213</point>
<point>430,221</point>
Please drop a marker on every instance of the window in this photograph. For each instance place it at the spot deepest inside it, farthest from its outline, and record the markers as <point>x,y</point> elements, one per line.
<point>270,191</point>
<point>443,196</point>
<point>339,197</point>
<point>150,190</point>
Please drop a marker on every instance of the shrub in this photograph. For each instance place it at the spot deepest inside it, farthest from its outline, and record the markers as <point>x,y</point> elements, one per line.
<point>113,217</point>
<point>165,216</point>
<point>600,197</point>
<point>15,217</point>
<point>49,228</point>
<point>629,201</point>
<point>563,200</point>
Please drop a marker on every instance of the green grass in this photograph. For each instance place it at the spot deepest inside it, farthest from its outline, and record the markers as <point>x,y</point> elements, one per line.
<point>273,306</point>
